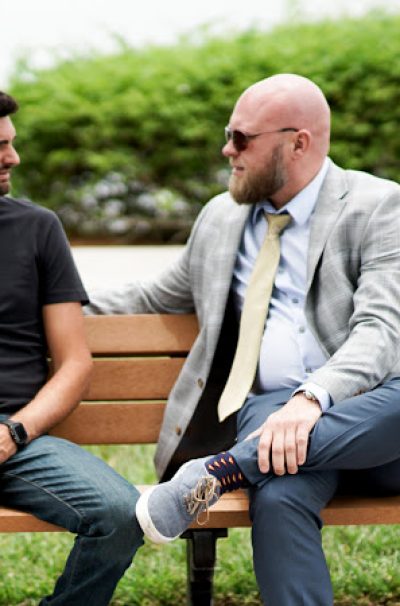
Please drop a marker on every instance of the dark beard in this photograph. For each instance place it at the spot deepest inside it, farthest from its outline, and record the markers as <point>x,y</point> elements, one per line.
<point>4,187</point>
<point>262,185</point>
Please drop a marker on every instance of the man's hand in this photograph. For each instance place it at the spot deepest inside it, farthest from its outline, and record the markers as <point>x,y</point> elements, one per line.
<point>7,444</point>
<point>284,435</point>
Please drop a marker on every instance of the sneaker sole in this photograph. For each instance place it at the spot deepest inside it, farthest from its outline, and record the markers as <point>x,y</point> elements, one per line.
<point>145,522</point>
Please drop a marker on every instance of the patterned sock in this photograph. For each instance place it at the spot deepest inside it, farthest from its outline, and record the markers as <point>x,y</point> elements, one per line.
<point>224,467</point>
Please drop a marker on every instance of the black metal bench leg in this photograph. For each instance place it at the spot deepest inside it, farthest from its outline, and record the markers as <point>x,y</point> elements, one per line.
<point>201,552</point>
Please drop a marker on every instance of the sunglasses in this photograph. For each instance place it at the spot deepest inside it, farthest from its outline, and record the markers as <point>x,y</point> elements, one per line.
<point>241,140</point>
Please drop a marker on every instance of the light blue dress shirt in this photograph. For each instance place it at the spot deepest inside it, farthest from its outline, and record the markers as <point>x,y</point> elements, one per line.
<point>289,351</point>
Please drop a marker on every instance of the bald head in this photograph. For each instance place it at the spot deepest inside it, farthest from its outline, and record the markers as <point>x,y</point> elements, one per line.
<point>289,100</point>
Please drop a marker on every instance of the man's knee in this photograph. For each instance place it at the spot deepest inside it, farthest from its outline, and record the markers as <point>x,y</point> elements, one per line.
<point>114,510</point>
<point>273,501</point>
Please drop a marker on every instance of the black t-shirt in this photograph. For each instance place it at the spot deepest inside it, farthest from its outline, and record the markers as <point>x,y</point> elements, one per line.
<point>36,269</point>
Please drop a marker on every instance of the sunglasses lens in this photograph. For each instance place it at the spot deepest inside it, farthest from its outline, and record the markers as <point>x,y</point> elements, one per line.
<point>238,138</point>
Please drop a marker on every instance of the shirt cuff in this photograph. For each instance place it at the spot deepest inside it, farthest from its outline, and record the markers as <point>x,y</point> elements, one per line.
<point>323,397</point>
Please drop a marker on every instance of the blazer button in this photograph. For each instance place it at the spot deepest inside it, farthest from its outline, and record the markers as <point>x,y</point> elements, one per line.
<point>200,383</point>
<point>178,430</point>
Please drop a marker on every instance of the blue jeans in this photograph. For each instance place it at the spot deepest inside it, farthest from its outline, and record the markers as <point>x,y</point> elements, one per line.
<point>358,441</point>
<point>60,482</point>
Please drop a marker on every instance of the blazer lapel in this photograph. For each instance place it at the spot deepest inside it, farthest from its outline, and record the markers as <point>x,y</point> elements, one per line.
<point>327,210</point>
<point>223,261</point>
<point>226,251</point>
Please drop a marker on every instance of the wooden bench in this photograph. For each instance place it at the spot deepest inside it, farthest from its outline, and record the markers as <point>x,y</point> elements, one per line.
<point>137,359</point>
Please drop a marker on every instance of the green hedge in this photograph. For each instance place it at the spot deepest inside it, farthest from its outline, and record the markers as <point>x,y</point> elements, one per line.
<point>139,133</point>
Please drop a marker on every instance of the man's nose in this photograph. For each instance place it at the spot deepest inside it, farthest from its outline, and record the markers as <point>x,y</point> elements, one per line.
<point>12,157</point>
<point>229,149</point>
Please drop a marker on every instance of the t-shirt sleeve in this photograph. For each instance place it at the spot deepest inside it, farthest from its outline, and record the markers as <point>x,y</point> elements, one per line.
<point>59,278</point>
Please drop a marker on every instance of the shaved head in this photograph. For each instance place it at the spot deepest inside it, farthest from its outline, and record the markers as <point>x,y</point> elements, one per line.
<point>291,100</point>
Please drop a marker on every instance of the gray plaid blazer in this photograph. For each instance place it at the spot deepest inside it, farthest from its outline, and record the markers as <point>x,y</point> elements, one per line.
<point>353,291</point>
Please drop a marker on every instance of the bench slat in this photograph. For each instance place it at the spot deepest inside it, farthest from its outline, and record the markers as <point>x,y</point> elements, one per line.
<point>231,511</point>
<point>12,520</point>
<point>133,379</point>
<point>141,334</point>
<point>113,423</point>
<point>362,510</point>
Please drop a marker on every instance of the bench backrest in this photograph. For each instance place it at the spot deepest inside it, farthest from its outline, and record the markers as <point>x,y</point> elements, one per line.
<point>136,361</point>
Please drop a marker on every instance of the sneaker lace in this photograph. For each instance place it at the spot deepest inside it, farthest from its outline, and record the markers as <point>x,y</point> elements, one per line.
<point>199,499</point>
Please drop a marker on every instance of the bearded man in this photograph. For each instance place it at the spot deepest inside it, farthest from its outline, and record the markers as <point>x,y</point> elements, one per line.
<point>305,257</point>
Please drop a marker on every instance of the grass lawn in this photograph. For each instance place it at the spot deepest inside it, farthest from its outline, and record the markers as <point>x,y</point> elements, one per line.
<point>364,561</point>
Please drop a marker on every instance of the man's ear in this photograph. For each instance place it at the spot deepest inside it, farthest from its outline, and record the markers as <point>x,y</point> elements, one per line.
<point>299,143</point>
<point>302,141</point>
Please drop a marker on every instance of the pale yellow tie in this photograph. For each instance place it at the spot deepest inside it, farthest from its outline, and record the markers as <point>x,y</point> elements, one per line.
<point>252,321</point>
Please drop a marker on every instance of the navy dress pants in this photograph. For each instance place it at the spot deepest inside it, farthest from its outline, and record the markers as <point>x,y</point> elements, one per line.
<point>357,441</point>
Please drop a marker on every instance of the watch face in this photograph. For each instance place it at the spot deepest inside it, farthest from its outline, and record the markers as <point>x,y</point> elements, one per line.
<point>18,433</point>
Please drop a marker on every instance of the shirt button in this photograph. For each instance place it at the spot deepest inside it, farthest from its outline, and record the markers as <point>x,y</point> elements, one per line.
<point>302,329</point>
<point>308,370</point>
<point>178,430</point>
<point>200,383</point>
<point>295,301</point>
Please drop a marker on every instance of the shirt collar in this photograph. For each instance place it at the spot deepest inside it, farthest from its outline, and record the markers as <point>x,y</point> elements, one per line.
<point>302,205</point>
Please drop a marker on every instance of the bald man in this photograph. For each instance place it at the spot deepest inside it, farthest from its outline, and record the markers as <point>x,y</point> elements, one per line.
<point>323,404</point>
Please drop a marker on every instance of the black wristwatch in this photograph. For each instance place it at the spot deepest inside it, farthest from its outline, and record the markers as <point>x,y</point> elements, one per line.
<point>17,432</point>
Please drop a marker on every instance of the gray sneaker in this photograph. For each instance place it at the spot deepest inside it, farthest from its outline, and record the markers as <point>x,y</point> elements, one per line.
<point>168,509</point>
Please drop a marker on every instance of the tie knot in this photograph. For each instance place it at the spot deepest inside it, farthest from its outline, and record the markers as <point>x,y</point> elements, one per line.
<point>277,223</point>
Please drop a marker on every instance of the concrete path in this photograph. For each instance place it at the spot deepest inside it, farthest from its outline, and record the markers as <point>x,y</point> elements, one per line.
<point>114,265</point>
